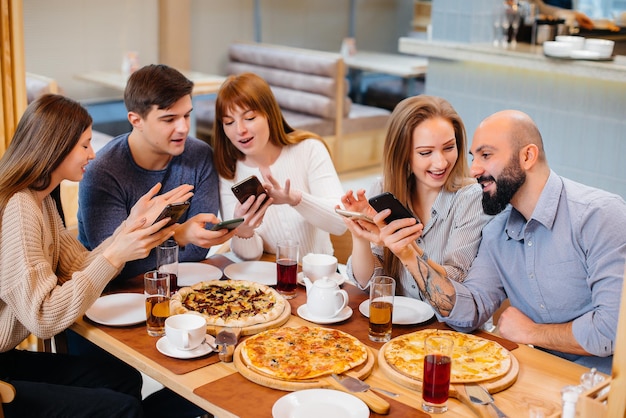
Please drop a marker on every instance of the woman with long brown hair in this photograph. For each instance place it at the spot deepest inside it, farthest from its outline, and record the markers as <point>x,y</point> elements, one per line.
<point>251,137</point>
<point>48,279</point>
<point>425,167</point>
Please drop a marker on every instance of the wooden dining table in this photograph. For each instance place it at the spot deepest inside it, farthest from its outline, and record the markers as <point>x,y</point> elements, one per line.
<point>221,390</point>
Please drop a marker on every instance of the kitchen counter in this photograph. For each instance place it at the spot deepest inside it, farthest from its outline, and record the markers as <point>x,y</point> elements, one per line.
<point>523,56</point>
<point>578,105</point>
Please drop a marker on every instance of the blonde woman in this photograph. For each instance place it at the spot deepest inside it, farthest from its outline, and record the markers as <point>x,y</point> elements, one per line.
<point>425,167</point>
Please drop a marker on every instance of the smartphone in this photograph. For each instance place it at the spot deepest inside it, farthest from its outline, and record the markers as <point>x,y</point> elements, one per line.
<point>173,211</point>
<point>389,201</point>
<point>247,187</point>
<point>230,224</point>
<point>353,215</point>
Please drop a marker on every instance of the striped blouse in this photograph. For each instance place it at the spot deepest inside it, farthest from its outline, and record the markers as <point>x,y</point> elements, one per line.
<point>451,237</point>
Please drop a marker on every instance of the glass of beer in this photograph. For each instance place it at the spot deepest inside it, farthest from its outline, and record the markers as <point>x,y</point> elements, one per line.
<point>157,291</point>
<point>287,268</point>
<point>382,290</point>
<point>436,379</point>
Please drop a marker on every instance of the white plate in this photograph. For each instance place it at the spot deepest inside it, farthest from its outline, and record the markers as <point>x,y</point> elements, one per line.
<point>263,272</point>
<point>406,311</point>
<point>315,403</point>
<point>304,313</point>
<point>118,309</point>
<point>192,273</point>
<point>164,347</point>
<point>336,277</point>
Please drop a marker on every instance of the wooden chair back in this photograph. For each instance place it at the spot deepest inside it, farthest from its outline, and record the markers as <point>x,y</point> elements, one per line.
<point>7,394</point>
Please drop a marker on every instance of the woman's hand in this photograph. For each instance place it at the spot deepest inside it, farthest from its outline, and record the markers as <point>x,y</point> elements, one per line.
<point>358,227</point>
<point>253,212</point>
<point>134,240</point>
<point>400,235</point>
<point>282,195</point>
<point>149,206</point>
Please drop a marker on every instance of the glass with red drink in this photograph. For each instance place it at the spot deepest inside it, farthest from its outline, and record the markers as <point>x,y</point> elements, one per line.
<point>436,380</point>
<point>287,268</point>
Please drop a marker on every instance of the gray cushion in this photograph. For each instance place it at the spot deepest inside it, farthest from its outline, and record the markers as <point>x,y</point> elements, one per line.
<point>365,118</point>
<point>292,59</point>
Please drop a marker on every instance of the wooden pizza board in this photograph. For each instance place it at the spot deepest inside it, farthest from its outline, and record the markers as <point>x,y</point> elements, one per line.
<point>362,371</point>
<point>255,329</point>
<point>457,390</point>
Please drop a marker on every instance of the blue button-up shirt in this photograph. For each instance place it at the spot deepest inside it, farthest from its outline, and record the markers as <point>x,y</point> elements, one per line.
<point>566,263</point>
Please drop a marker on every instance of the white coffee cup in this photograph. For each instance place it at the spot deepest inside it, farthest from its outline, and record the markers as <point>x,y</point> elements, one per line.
<point>316,266</point>
<point>185,331</point>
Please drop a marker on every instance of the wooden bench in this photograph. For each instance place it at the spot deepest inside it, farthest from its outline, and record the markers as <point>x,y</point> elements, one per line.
<point>312,91</point>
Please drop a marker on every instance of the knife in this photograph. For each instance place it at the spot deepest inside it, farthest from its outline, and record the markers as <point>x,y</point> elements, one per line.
<point>372,400</point>
<point>357,385</point>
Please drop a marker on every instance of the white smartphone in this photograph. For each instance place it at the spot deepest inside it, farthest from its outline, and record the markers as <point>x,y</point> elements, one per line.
<point>353,215</point>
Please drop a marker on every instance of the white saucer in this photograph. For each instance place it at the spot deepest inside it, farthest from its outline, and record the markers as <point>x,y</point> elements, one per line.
<point>406,311</point>
<point>118,309</point>
<point>336,277</point>
<point>164,347</point>
<point>192,273</point>
<point>326,403</point>
<point>263,272</point>
<point>304,313</point>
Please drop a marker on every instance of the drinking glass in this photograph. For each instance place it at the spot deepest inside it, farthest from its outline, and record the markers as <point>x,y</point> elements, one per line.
<point>287,268</point>
<point>436,379</point>
<point>167,261</point>
<point>157,291</point>
<point>382,291</point>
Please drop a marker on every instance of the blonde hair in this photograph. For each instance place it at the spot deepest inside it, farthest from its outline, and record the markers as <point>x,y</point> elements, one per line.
<point>398,176</point>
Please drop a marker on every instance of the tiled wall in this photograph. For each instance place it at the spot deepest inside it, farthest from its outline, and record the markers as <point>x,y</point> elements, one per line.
<point>582,121</point>
<point>463,20</point>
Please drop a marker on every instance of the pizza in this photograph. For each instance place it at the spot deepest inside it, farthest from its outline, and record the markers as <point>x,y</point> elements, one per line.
<point>474,359</point>
<point>231,303</point>
<point>302,353</point>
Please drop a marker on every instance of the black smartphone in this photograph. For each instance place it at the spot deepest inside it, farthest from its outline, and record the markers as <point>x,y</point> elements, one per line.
<point>247,187</point>
<point>173,211</point>
<point>353,215</point>
<point>230,224</point>
<point>389,201</point>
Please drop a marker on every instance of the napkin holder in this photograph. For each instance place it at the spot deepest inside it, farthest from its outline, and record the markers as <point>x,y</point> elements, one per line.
<point>594,401</point>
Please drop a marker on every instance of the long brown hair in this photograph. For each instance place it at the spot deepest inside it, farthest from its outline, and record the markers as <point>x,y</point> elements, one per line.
<point>397,174</point>
<point>47,132</point>
<point>250,92</point>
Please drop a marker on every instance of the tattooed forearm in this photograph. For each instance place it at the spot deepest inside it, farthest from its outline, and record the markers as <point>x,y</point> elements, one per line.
<point>437,289</point>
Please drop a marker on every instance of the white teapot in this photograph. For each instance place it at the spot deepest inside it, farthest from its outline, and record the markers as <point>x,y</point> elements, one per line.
<point>324,298</point>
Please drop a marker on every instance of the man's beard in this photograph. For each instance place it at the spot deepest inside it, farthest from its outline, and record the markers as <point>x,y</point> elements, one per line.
<point>507,184</point>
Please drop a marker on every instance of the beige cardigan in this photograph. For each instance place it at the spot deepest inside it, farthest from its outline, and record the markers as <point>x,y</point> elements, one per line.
<point>47,278</point>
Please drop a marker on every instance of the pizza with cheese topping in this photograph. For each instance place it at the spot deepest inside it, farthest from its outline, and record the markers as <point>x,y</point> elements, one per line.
<point>474,359</point>
<point>231,303</point>
<point>299,353</point>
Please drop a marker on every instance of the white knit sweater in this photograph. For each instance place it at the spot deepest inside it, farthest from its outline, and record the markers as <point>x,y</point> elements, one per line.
<point>309,168</point>
<point>47,278</point>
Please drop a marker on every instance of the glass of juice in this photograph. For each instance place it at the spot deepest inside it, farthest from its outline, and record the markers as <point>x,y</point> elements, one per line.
<point>436,379</point>
<point>382,291</point>
<point>287,268</point>
<point>157,291</point>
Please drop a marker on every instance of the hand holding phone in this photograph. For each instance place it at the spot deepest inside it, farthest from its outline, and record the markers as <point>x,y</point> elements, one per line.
<point>174,211</point>
<point>230,224</point>
<point>250,186</point>
<point>353,215</point>
<point>389,201</point>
